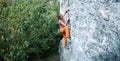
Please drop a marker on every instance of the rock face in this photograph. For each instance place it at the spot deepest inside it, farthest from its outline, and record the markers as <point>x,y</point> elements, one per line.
<point>95,30</point>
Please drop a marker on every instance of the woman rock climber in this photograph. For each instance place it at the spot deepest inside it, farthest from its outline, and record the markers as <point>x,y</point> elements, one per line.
<point>64,29</point>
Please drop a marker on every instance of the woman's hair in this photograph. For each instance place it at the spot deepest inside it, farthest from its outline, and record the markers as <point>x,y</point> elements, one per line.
<point>60,16</point>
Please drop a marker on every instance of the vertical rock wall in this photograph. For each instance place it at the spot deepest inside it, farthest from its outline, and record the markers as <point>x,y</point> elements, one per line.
<point>95,30</point>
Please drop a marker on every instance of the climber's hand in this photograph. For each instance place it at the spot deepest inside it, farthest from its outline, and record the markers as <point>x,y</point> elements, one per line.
<point>68,19</point>
<point>68,8</point>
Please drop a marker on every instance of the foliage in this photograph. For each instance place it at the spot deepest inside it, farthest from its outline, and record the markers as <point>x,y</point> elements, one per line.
<point>28,27</point>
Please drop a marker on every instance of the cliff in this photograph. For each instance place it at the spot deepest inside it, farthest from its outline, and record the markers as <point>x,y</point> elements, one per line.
<point>95,30</point>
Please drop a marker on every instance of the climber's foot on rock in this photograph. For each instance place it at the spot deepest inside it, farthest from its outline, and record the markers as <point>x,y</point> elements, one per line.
<point>69,41</point>
<point>67,47</point>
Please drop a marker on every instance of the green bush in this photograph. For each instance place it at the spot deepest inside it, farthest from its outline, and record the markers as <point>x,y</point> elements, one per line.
<point>28,28</point>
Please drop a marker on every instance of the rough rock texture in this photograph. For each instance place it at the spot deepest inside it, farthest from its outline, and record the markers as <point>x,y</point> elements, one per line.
<point>95,30</point>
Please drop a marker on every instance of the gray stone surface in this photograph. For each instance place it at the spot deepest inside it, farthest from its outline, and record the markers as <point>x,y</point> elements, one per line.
<point>95,30</point>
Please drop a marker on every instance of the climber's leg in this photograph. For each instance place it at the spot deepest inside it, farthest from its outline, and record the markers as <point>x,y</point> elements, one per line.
<point>65,40</point>
<point>62,30</point>
<point>66,35</point>
<point>67,32</point>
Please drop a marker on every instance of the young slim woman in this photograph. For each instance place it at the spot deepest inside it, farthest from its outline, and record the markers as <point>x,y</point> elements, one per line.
<point>64,27</point>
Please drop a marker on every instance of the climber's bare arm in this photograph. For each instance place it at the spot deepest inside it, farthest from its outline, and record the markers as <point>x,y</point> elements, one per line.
<point>66,11</point>
<point>62,23</point>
